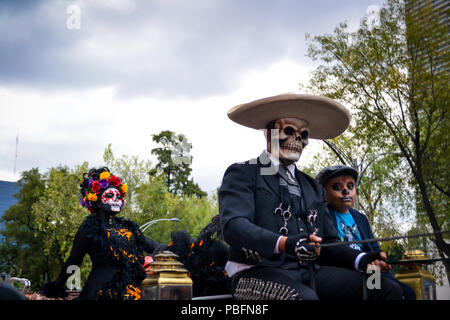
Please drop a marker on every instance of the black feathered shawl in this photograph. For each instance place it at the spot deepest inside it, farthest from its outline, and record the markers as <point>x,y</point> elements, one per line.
<point>123,244</point>
<point>204,258</point>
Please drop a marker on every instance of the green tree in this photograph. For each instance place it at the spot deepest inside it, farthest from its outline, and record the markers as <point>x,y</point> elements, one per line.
<point>39,230</point>
<point>157,202</point>
<point>194,213</point>
<point>21,251</point>
<point>381,195</point>
<point>389,74</point>
<point>174,161</point>
<point>150,199</point>
<point>58,215</point>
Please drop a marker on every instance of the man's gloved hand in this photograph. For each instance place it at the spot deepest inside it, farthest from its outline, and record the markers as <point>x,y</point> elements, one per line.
<point>370,257</point>
<point>301,246</point>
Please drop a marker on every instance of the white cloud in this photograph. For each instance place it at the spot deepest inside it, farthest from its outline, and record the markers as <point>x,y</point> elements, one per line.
<point>157,48</point>
<point>72,126</point>
<point>120,5</point>
<point>136,68</point>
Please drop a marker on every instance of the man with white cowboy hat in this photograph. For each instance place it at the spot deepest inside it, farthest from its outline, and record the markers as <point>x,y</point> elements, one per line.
<point>273,215</point>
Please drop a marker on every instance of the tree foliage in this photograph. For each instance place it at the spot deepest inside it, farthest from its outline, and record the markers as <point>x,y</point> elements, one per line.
<point>21,248</point>
<point>382,195</point>
<point>394,75</point>
<point>39,229</point>
<point>174,162</point>
<point>58,214</point>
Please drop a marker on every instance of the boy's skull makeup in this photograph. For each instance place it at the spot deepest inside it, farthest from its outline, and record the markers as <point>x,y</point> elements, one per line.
<point>292,138</point>
<point>111,201</point>
<point>341,192</point>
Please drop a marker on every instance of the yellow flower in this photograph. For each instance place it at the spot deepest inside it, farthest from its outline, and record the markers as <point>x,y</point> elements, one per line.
<point>124,188</point>
<point>92,197</point>
<point>105,175</point>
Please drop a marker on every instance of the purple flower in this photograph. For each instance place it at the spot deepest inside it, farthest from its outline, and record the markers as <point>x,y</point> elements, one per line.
<point>85,203</point>
<point>90,182</point>
<point>104,183</point>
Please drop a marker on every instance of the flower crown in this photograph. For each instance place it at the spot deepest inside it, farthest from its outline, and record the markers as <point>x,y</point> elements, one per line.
<point>98,182</point>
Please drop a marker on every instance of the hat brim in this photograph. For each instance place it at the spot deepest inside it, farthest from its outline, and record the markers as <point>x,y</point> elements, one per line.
<point>326,118</point>
<point>342,172</point>
<point>336,171</point>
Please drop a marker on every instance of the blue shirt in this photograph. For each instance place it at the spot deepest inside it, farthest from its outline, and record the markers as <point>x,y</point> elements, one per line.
<point>348,229</point>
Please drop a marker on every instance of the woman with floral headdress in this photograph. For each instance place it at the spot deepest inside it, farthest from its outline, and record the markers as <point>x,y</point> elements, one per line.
<point>115,245</point>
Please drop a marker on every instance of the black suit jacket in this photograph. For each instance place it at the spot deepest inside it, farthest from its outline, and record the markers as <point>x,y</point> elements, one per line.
<point>364,229</point>
<point>247,200</point>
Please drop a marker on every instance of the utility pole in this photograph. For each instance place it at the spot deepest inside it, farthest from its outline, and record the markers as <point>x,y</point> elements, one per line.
<point>15,156</point>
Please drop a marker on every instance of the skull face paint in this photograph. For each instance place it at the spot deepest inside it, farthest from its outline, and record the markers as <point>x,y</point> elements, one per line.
<point>111,200</point>
<point>341,193</point>
<point>293,138</point>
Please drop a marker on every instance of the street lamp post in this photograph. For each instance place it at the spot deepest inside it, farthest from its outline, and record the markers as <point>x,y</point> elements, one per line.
<point>148,224</point>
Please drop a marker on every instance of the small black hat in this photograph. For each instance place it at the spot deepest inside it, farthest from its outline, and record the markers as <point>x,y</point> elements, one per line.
<point>335,171</point>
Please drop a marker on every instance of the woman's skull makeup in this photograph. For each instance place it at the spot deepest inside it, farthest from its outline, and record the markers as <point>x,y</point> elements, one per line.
<point>111,201</point>
<point>292,139</point>
<point>341,192</point>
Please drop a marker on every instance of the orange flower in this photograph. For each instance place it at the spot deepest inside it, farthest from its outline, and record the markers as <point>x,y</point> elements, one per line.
<point>123,189</point>
<point>92,197</point>
<point>133,292</point>
<point>124,233</point>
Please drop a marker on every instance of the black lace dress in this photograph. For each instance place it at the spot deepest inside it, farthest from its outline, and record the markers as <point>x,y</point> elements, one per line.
<point>117,253</point>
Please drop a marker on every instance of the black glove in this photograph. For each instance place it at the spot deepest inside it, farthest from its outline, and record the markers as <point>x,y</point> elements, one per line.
<point>54,290</point>
<point>299,247</point>
<point>368,258</point>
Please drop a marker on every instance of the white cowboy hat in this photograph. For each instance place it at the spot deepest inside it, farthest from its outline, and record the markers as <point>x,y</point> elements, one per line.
<point>326,117</point>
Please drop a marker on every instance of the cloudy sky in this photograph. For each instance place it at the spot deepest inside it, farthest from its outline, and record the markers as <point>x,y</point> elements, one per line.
<point>78,75</point>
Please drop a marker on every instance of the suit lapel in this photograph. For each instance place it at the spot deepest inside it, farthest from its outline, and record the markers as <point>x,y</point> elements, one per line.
<point>360,224</point>
<point>272,180</point>
<point>305,188</point>
<point>331,211</point>
<point>362,229</point>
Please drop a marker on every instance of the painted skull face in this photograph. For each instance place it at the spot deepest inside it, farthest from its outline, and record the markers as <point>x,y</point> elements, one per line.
<point>293,138</point>
<point>111,200</point>
<point>341,193</point>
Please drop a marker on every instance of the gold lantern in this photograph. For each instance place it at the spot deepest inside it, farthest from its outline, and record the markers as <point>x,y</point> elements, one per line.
<point>167,279</point>
<point>420,280</point>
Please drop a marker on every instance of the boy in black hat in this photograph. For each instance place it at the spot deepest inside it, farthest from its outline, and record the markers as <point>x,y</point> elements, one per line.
<point>340,187</point>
